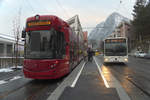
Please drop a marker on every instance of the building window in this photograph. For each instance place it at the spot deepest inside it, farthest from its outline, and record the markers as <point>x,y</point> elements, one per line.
<point>1,48</point>
<point>9,48</point>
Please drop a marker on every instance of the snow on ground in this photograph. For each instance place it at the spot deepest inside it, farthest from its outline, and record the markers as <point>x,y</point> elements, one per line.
<point>6,70</point>
<point>2,82</point>
<point>20,67</point>
<point>9,69</point>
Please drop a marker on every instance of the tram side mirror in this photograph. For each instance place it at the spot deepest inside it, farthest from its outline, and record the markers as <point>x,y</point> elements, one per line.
<point>67,44</point>
<point>59,27</point>
<point>23,34</point>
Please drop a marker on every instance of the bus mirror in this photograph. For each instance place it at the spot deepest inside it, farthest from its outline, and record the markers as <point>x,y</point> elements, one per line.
<point>23,34</point>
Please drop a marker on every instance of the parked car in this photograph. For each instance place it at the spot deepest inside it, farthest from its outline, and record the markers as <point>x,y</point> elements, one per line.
<point>142,54</point>
<point>147,56</point>
<point>139,54</point>
<point>136,54</point>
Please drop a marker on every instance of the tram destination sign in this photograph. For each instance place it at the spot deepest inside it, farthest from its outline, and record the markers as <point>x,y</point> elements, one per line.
<point>38,23</point>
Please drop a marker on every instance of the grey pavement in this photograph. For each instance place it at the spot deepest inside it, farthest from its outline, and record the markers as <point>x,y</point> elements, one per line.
<point>90,86</point>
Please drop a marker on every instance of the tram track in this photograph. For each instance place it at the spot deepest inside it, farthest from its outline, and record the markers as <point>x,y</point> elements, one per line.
<point>5,94</point>
<point>133,77</point>
<point>45,91</point>
<point>9,78</point>
<point>32,96</point>
<point>145,92</point>
<point>30,90</point>
<point>122,77</point>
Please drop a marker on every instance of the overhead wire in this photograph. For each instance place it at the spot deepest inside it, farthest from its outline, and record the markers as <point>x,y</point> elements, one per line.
<point>117,8</point>
<point>60,5</point>
<point>124,7</point>
<point>33,10</point>
<point>94,27</point>
<point>44,8</point>
<point>121,7</point>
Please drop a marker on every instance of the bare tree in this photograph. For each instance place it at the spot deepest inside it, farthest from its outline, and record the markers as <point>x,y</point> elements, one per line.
<point>17,31</point>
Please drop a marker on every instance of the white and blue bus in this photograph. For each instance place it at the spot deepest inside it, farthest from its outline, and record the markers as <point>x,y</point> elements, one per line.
<point>115,49</point>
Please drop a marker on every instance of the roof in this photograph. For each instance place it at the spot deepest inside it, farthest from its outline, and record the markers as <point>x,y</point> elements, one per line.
<point>8,38</point>
<point>55,21</point>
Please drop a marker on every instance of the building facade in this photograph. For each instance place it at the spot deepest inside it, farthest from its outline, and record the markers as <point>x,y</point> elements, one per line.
<point>85,33</point>
<point>7,50</point>
<point>123,30</point>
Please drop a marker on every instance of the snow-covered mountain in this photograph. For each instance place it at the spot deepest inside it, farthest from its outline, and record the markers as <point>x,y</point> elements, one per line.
<point>104,29</point>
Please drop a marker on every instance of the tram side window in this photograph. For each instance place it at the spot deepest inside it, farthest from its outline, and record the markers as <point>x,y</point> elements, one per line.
<point>57,44</point>
<point>60,44</point>
<point>53,43</point>
<point>63,44</point>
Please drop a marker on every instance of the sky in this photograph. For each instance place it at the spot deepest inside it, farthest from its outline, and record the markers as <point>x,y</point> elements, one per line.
<point>91,12</point>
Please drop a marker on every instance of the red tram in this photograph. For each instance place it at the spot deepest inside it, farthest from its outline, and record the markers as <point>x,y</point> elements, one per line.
<point>51,47</point>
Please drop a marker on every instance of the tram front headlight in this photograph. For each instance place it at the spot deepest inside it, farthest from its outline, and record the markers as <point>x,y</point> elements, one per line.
<point>52,66</point>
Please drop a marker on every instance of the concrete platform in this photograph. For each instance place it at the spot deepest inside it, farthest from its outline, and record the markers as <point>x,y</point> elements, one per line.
<point>89,86</point>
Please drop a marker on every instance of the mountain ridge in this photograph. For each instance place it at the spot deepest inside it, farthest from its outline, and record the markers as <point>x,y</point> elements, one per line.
<point>105,28</point>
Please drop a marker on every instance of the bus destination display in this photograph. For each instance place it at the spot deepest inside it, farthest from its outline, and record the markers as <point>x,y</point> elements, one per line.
<point>115,40</point>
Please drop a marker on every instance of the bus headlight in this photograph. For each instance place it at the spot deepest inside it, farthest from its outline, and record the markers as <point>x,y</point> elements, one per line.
<point>105,59</point>
<point>126,59</point>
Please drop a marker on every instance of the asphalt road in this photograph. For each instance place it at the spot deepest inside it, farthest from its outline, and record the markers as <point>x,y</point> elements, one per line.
<point>29,89</point>
<point>133,76</point>
<point>128,81</point>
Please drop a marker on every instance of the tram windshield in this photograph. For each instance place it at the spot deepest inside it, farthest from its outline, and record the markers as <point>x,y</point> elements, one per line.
<point>45,44</point>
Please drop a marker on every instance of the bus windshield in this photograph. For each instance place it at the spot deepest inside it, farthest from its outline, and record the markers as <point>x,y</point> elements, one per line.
<point>115,49</point>
<point>45,44</point>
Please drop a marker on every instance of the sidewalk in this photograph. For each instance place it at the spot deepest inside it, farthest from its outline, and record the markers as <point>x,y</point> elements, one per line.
<point>90,86</point>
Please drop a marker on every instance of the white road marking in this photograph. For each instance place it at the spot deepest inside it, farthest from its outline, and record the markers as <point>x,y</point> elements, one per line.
<point>67,82</point>
<point>76,79</point>
<point>9,80</point>
<point>100,71</point>
<point>15,78</point>
<point>116,84</point>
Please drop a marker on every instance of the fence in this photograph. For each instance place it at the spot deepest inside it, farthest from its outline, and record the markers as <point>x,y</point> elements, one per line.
<point>10,61</point>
